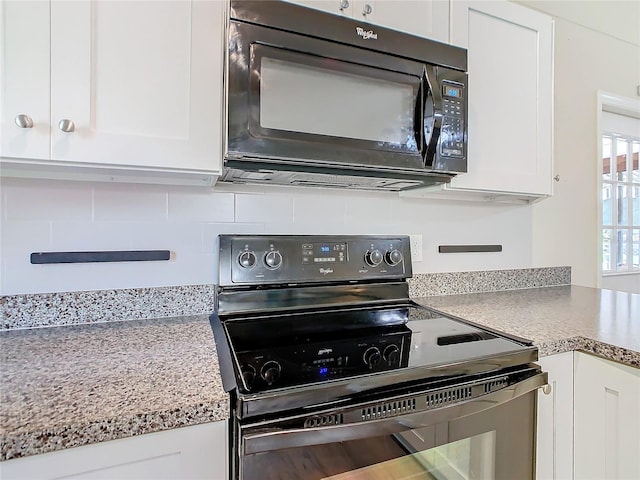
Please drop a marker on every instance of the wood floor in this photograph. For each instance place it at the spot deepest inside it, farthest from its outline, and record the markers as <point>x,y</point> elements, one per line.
<point>338,461</point>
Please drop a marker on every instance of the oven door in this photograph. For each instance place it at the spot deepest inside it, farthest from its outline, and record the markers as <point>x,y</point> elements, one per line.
<point>488,436</point>
<point>309,102</point>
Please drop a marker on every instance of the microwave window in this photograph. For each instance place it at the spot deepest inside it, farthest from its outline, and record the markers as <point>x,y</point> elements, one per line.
<point>307,99</point>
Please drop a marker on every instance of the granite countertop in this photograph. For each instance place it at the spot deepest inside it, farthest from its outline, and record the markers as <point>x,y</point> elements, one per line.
<point>556,319</point>
<point>75,385</point>
<point>68,386</point>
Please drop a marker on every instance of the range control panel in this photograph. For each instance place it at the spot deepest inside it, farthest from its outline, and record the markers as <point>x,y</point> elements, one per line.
<point>278,259</point>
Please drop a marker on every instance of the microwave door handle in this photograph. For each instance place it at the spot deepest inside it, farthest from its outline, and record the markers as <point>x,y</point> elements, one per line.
<point>419,118</point>
<point>432,113</point>
<point>281,439</point>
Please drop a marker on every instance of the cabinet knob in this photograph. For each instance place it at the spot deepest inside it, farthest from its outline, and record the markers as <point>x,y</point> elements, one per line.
<point>66,125</point>
<point>24,121</point>
<point>344,4</point>
<point>366,10</point>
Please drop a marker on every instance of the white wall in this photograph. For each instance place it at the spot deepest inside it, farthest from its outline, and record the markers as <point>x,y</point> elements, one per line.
<point>624,283</point>
<point>40,215</point>
<point>617,18</point>
<point>565,227</point>
<point>46,216</point>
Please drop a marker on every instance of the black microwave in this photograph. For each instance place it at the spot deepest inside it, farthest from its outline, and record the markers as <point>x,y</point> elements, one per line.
<point>315,99</point>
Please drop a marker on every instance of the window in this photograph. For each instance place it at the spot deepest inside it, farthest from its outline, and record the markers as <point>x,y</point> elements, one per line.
<point>620,203</point>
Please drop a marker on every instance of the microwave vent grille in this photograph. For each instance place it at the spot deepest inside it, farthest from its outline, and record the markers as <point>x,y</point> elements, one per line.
<point>308,179</point>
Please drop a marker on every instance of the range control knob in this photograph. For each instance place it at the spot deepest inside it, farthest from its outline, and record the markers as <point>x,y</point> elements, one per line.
<point>372,356</point>
<point>273,259</point>
<point>248,374</point>
<point>247,259</point>
<point>393,257</point>
<point>270,372</point>
<point>373,258</point>
<point>391,354</point>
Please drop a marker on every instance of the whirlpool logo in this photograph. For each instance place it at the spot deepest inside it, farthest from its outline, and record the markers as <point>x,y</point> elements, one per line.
<point>326,271</point>
<point>366,34</point>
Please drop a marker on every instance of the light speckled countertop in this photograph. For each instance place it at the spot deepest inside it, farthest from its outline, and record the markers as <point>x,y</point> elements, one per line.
<point>556,319</point>
<point>68,386</point>
<point>74,385</point>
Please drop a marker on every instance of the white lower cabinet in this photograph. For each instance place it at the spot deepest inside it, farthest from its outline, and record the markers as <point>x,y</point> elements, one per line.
<point>589,426</point>
<point>607,420</point>
<point>195,452</point>
<point>554,458</point>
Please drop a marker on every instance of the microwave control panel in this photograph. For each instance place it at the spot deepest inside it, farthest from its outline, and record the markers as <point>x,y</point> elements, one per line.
<point>453,124</point>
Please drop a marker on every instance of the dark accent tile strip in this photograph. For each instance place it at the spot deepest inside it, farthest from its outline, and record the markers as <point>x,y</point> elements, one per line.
<point>39,258</point>
<point>469,248</point>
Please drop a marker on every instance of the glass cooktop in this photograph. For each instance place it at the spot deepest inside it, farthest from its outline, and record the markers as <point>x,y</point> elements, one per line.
<point>280,351</point>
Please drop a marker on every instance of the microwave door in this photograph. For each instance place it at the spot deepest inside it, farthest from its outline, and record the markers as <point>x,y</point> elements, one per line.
<point>309,102</point>
<point>320,107</point>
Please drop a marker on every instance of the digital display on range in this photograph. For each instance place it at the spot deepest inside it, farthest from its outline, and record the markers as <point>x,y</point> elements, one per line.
<point>452,91</point>
<point>322,253</point>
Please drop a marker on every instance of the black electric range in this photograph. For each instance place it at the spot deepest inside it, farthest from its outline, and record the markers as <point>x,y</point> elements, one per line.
<point>311,320</point>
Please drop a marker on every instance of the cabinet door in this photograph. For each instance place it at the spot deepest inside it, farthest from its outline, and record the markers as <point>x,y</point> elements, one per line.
<point>24,79</point>
<point>607,419</point>
<point>141,82</point>
<point>510,55</point>
<point>554,455</point>
<point>196,452</point>
<point>339,7</point>
<point>425,18</point>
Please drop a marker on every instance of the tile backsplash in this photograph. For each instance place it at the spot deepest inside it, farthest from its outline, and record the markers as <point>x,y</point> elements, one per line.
<point>96,306</point>
<point>47,215</point>
<point>66,308</point>
<point>487,281</point>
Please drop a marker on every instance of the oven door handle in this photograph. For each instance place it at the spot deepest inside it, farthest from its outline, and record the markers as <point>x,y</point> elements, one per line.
<point>300,437</point>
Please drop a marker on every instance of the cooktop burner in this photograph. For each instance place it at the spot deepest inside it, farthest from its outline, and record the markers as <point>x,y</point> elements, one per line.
<point>316,358</point>
<point>314,347</point>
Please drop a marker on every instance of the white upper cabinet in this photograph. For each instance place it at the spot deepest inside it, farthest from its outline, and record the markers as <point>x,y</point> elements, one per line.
<point>510,63</point>
<point>339,7</point>
<point>132,84</point>
<point>24,76</point>
<point>425,18</point>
